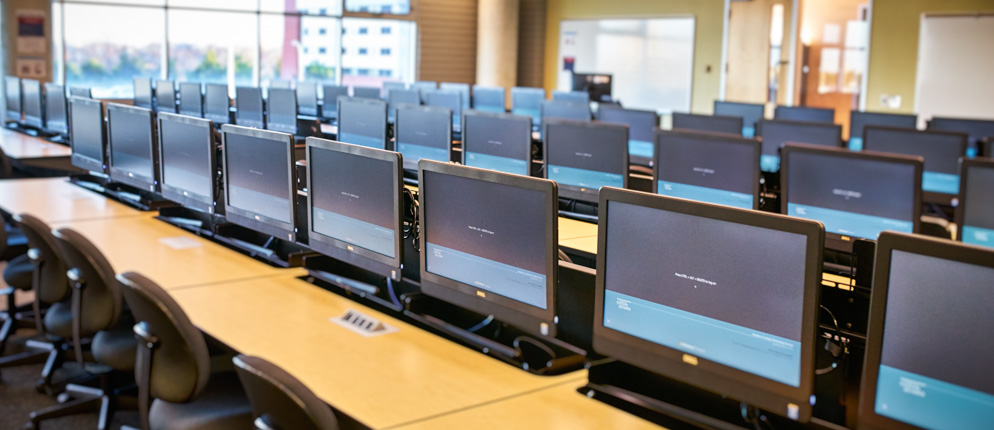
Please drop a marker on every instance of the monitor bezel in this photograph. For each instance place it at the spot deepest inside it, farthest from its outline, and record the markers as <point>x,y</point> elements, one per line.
<point>32,120</point>
<point>252,220</point>
<point>382,106</point>
<point>310,92</point>
<point>217,118</point>
<point>390,267</point>
<point>432,109</point>
<point>84,92</point>
<point>546,103</point>
<point>854,113</point>
<point>572,191</point>
<point>13,114</point>
<point>158,96</point>
<point>914,244</point>
<point>80,160</point>
<point>757,106</point>
<point>151,92</point>
<point>838,242</point>
<point>736,123</point>
<point>962,121</point>
<point>820,111</point>
<point>504,116</point>
<point>927,196</point>
<point>246,122</point>
<point>283,128</point>
<point>760,125</point>
<point>185,197</point>
<point>736,139</point>
<point>960,210</point>
<point>334,101</point>
<point>199,112</point>
<point>56,90</point>
<point>756,390</point>
<point>124,176</point>
<point>505,309</point>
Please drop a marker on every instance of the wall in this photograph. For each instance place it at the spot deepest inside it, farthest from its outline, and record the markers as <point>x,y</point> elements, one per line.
<point>749,24</point>
<point>707,44</point>
<point>894,46</point>
<point>447,40</point>
<point>531,43</point>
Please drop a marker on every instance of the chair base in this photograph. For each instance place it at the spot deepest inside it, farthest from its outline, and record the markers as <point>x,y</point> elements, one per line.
<point>80,399</point>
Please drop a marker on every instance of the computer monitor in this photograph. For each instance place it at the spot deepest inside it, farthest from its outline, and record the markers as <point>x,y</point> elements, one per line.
<point>528,101</point>
<point>307,98</point>
<point>751,114</point>
<point>55,109</point>
<point>187,164</point>
<point>565,110</point>
<point>280,84</point>
<point>260,180</point>
<point>859,120</point>
<point>690,301</point>
<point>497,141</point>
<point>144,92</point>
<point>776,133</point>
<point>489,243</point>
<point>707,123</point>
<point>281,111</point>
<point>329,97</point>
<point>131,143</point>
<point>928,355</point>
<point>165,96</point>
<point>582,157</point>
<point>87,137</point>
<point>424,87</point>
<point>462,89</point>
<point>975,212</point>
<point>977,129</point>
<point>389,86</point>
<point>571,96</point>
<point>423,132</point>
<point>856,195</point>
<point>191,99</point>
<point>805,114</point>
<point>489,99</point>
<point>80,92</point>
<point>940,149</point>
<point>12,88</point>
<point>366,92</point>
<point>641,126</point>
<point>32,104</point>
<point>448,99</point>
<point>355,205</point>
<point>362,121</point>
<point>249,107</point>
<point>598,85</point>
<point>397,98</point>
<point>707,167</point>
<point>217,104</point>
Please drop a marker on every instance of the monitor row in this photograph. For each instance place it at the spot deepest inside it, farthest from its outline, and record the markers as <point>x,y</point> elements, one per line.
<point>39,106</point>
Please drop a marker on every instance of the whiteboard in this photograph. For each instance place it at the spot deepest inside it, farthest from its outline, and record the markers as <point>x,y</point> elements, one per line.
<point>651,60</point>
<point>955,60</point>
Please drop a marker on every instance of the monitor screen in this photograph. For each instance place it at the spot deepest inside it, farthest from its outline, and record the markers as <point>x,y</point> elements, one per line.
<point>191,99</point>
<point>392,85</point>
<point>708,123</point>
<point>708,168</point>
<point>132,146</point>
<point>750,113</point>
<point>398,97</point>
<point>307,98</point>
<point>143,92</point>
<point>975,213</point>
<point>774,134</point>
<point>80,92</point>
<point>583,157</point>
<point>330,95</point>
<point>423,132</point>
<point>12,89</point>
<point>259,179</point>
<point>32,104</point>
<point>804,114</point>
<point>855,195</point>
<point>424,87</point>
<point>527,101</point>
<point>165,96</point>
<point>249,107</point>
<point>451,100</point>
<point>366,92</point>
<point>641,126</point>
<point>489,243</point>
<point>362,121</point>
<point>187,160</point>
<point>355,209</point>
<point>571,96</point>
<point>977,129</point>
<point>497,141</point>
<point>217,105</point>
<point>462,89</point>
<point>565,110</point>
<point>55,109</point>
<point>597,85</point>
<point>86,133</point>
<point>489,99</point>
<point>928,354</point>
<point>282,110</point>
<point>859,121</point>
<point>941,150</point>
<point>688,303</point>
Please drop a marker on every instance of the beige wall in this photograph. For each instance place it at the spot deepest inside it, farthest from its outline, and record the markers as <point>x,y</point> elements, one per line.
<point>894,46</point>
<point>707,40</point>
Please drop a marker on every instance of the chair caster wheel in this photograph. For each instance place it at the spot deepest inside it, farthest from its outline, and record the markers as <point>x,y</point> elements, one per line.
<point>31,426</point>
<point>62,398</point>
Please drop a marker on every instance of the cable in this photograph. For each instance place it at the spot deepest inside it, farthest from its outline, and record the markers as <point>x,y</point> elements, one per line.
<point>563,256</point>
<point>393,294</point>
<point>412,229</point>
<point>486,321</point>
<point>537,344</point>
<point>842,344</point>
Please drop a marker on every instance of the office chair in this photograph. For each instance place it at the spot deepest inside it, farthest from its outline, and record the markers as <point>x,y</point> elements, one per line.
<point>6,168</point>
<point>176,386</point>
<point>280,401</point>
<point>97,310</point>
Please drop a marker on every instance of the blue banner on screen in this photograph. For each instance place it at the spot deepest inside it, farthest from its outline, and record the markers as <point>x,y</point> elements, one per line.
<point>978,236</point>
<point>500,164</point>
<point>640,148</point>
<point>358,139</point>
<point>753,351</point>
<point>416,152</point>
<point>509,281</point>
<point>769,163</point>
<point>748,131</point>
<point>585,178</point>
<point>940,182</point>
<point>848,223</point>
<point>972,151</point>
<point>370,236</point>
<point>855,143</point>
<point>931,403</point>
<point>703,194</point>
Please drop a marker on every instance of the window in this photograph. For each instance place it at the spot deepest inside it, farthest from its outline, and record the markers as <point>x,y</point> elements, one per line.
<point>321,50</point>
<point>347,71</point>
<point>384,51</point>
<point>385,30</point>
<point>322,31</point>
<point>284,57</point>
<point>363,72</point>
<point>385,73</point>
<point>363,30</point>
<point>306,32</point>
<point>305,49</point>
<point>362,51</point>
<point>343,51</point>
<point>398,7</point>
<point>396,47</point>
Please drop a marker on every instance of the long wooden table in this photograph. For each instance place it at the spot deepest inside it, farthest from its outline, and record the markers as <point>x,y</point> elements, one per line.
<point>31,151</point>
<point>55,200</point>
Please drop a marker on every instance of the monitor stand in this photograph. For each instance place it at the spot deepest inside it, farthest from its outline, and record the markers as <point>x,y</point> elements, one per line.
<point>131,196</point>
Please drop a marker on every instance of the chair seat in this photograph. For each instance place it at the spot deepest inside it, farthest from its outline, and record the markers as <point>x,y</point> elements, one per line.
<point>58,320</point>
<point>115,348</point>
<point>222,405</point>
<point>18,273</point>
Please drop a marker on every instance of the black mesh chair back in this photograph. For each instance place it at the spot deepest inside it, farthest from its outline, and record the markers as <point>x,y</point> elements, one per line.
<point>279,400</point>
<point>50,282</point>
